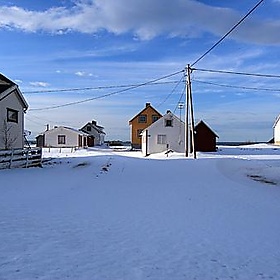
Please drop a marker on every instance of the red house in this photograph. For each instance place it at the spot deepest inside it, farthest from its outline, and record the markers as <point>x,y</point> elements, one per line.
<point>204,138</point>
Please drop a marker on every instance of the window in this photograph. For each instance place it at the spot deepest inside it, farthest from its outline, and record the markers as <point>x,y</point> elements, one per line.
<point>12,115</point>
<point>61,139</point>
<point>155,118</point>
<point>139,131</point>
<point>168,123</point>
<point>142,119</point>
<point>161,139</point>
<point>88,128</point>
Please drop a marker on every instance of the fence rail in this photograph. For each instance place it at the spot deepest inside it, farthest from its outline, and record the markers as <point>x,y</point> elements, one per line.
<point>20,158</point>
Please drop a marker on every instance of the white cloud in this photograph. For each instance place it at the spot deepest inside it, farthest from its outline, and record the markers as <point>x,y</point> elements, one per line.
<point>80,73</point>
<point>83,74</point>
<point>39,84</point>
<point>144,18</point>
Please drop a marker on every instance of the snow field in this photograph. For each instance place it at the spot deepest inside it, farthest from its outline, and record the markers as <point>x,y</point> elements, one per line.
<point>115,215</point>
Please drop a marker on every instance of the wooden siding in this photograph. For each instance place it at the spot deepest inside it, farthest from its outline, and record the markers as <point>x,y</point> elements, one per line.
<point>20,158</point>
<point>204,138</point>
<point>137,126</point>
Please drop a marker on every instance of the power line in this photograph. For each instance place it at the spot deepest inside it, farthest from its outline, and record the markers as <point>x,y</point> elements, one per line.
<point>92,88</point>
<point>180,100</point>
<point>108,94</point>
<point>234,27</point>
<point>173,90</point>
<point>238,73</point>
<point>238,87</point>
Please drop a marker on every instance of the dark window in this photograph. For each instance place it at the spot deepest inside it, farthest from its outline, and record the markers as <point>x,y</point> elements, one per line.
<point>61,139</point>
<point>12,115</point>
<point>142,119</point>
<point>155,118</point>
<point>88,128</point>
<point>168,123</point>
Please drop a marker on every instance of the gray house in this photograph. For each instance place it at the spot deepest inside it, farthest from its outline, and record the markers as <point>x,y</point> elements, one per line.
<point>12,109</point>
<point>96,134</point>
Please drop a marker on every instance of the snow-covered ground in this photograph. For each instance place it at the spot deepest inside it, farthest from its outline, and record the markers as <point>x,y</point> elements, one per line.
<point>102,214</point>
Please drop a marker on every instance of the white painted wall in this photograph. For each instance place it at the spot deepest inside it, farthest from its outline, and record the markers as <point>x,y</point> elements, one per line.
<point>174,136</point>
<point>72,137</point>
<point>99,138</point>
<point>16,130</point>
<point>277,132</point>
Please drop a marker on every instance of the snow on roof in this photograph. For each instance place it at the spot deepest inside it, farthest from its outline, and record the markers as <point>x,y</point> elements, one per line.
<point>276,121</point>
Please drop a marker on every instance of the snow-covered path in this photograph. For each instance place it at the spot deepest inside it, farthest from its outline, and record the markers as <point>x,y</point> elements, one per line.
<point>116,217</point>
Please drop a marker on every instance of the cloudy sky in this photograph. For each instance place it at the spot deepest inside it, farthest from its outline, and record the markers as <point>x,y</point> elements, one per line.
<point>78,60</point>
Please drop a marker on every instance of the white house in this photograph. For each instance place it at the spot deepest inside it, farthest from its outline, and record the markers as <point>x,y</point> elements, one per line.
<point>62,136</point>
<point>12,109</point>
<point>95,132</point>
<point>276,128</point>
<point>167,133</point>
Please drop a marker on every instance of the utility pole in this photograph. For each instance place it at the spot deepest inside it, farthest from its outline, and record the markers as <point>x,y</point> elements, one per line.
<point>186,115</point>
<point>191,111</point>
<point>180,106</point>
<point>189,103</point>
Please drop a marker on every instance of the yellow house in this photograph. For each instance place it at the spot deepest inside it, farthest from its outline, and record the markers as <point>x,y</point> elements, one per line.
<point>141,121</point>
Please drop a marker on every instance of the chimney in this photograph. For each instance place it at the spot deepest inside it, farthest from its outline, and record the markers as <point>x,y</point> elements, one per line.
<point>148,104</point>
<point>168,112</point>
<point>93,122</point>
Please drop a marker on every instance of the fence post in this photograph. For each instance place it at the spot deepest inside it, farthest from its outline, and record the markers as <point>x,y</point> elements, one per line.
<point>27,152</point>
<point>11,159</point>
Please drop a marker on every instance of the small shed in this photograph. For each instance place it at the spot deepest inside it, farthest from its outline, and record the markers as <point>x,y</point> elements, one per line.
<point>204,138</point>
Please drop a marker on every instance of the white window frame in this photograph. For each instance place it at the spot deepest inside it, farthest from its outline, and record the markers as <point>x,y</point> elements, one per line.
<point>161,139</point>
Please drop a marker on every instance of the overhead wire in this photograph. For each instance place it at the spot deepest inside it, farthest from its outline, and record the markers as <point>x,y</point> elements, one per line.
<point>230,31</point>
<point>91,88</point>
<point>238,73</point>
<point>173,90</point>
<point>238,87</point>
<point>108,94</point>
<point>180,100</point>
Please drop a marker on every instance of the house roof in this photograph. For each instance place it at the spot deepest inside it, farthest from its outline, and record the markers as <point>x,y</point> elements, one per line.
<point>148,105</point>
<point>169,113</point>
<point>65,127</point>
<point>201,122</point>
<point>98,128</point>
<point>276,121</point>
<point>7,87</point>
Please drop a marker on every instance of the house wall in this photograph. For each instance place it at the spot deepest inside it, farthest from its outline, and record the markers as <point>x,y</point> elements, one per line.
<point>277,133</point>
<point>205,140</point>
<point>175,139</point>
<point>98,137</point>
<point>72,138</point>
<point>16,130</point>
<point>137,126</point>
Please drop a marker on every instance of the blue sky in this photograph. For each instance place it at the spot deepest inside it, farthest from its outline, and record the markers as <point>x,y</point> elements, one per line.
<point>99,44</point>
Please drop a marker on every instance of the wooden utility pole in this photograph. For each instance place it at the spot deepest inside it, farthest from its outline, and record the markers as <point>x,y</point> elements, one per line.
<point>187,115</point>
<point>189,103</point>
<point>191,111</point>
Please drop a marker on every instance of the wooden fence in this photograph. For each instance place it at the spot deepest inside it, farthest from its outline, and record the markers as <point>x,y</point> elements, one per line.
<point>20,158</point>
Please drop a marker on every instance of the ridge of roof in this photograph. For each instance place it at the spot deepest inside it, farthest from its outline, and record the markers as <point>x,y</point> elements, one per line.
<point>147,106</point>
<point>203,122</point>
